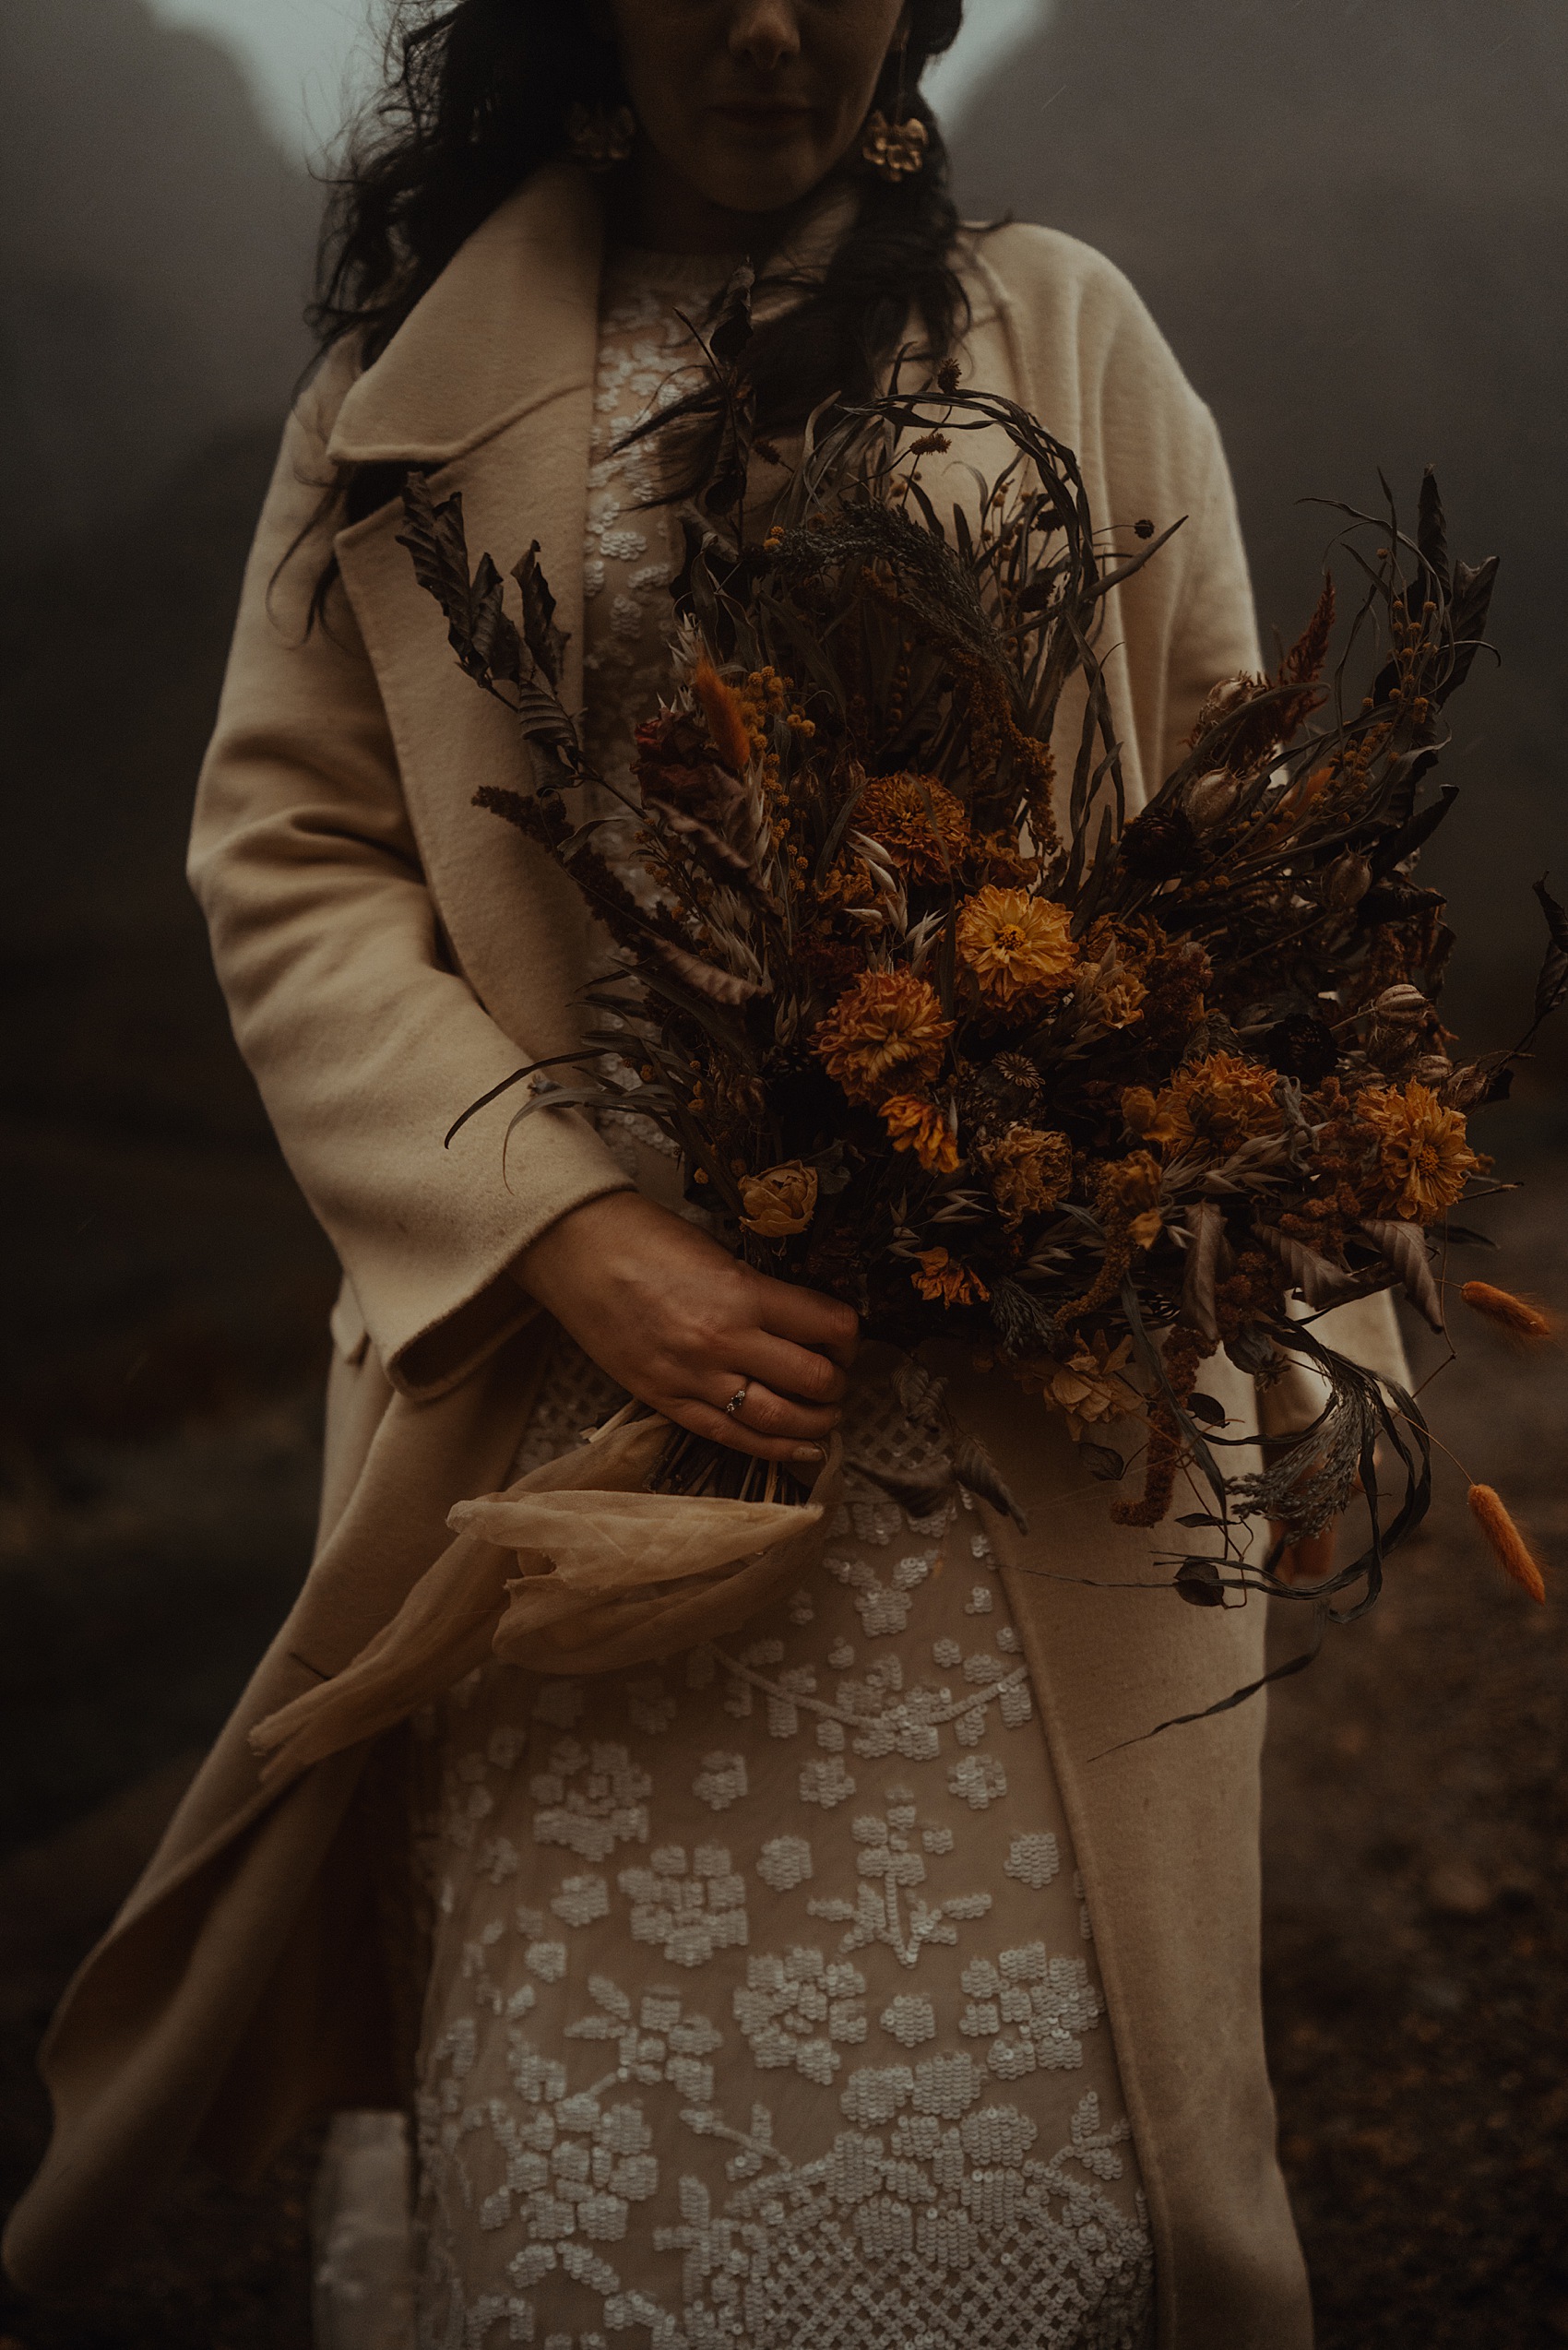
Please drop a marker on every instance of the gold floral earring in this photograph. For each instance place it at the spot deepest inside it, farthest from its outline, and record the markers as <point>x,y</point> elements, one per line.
<point>896,150</point>
<point>601,136</point>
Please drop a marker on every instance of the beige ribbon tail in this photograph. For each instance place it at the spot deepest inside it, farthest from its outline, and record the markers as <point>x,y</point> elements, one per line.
<point>575,1569</point>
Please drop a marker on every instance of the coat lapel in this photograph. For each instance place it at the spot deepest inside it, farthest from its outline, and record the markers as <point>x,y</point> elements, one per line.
<point>489,384</point>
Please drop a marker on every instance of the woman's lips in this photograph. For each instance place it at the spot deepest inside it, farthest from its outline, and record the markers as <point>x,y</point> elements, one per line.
<point>758,117</point>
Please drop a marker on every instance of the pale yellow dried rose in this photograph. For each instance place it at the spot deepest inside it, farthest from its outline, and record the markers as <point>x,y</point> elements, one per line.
<point>779,1201</point>
<point>1090,1387</point>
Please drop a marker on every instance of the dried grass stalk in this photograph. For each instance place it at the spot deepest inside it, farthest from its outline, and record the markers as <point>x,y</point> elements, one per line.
<point>1509,1546</point>
<point>1517,1316</point>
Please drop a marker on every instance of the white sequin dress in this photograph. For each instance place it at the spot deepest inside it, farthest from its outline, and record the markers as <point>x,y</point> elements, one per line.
<point>764,2007</point>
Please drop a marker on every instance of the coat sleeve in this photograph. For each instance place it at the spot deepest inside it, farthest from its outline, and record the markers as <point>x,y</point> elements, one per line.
<point>361,1035</point>
<point>1213,625</point>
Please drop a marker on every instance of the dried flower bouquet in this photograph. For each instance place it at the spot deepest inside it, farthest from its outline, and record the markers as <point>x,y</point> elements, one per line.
<point>1100,1095</point>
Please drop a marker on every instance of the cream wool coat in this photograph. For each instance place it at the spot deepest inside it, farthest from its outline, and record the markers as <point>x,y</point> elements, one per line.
<point>390,953</point>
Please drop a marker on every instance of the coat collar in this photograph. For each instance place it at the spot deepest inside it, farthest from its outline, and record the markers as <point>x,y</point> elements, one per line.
<point>509,327</point>
<point>511,324</point>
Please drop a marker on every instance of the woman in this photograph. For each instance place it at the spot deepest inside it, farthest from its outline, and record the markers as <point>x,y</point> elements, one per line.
<point>864,1978</point>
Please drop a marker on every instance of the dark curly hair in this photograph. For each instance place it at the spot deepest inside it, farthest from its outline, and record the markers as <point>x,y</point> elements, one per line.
<point>476,100</point>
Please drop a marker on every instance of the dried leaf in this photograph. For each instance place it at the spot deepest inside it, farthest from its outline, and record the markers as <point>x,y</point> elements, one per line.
<point>1319,1282</point>
<point>973,1468</point>
<point>1404,1247</point>
<point>1467,611</point>
<point>1204,1407</point>
<point>921,1394</point>
<point>1206,1223</point>
<point>1105,1465</point>
<point>1552,987</point>
<point>1407,839</point>
<point>544,640</point>
<point>481,634</point>
<point>1431,535</point>
<point>914,1490</point>
<point>1198,1582</point>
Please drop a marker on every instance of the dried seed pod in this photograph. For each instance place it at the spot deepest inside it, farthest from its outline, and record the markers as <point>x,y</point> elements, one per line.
<point>1468,1086</point>
<point>1346,882</point>
<point>1400,1007</point>
<point>1508,1545</point>
<point>1210,798</point>
<point>1433,1069</point>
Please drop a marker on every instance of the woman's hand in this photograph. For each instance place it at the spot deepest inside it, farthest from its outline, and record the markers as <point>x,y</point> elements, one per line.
<point>684,1325</point>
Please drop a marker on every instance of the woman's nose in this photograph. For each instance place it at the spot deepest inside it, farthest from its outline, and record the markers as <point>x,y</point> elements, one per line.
<point>765,32</point>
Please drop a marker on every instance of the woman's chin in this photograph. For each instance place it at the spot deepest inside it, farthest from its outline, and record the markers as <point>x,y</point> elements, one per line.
<point>758,177</point>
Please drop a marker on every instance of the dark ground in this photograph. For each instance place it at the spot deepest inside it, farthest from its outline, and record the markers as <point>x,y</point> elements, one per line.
<point>1417,1832</point>
<point>1417,1838</point>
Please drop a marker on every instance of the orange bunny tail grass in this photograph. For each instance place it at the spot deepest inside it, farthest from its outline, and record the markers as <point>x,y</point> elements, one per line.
<point>1516,1316</point>
<point>726,719</point>
<point>1509,1546</point>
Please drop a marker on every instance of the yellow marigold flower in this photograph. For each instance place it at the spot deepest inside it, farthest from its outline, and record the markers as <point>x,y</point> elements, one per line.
<point>1014,944</point>
<point>1090,1386</point>
<point>1210,1108</point>
<point>941,1280</point>
<point>1029,1170</point>
<point>779,1201</point>
<point>884,1032</point>
<point>917,820</point>
<point>918,1125</point>
<point>1425,1160</point>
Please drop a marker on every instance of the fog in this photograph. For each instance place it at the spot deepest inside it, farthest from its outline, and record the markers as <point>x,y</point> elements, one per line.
<point>1351,219</point>
<point>1353,222</point>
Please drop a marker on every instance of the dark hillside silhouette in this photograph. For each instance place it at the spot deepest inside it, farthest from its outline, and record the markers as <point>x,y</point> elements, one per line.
<point>154,258</point>
<point>1352,221</point>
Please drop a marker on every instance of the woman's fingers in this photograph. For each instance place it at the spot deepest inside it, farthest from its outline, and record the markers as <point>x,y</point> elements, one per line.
<point>767,1413</point>
<point>790,1369</point>
<point>825,1325</point>
<point>767,1425</point>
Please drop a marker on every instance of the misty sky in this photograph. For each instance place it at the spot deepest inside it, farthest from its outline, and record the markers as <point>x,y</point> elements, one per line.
<point>308,59</point>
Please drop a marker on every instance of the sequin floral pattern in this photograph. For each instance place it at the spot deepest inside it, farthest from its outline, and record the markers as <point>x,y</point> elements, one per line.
<point>647,358</point>
<point>763,2008</point>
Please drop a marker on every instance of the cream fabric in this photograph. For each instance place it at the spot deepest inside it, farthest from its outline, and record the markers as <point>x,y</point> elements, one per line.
<point>764,2005</point>
<point>389,952</point>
